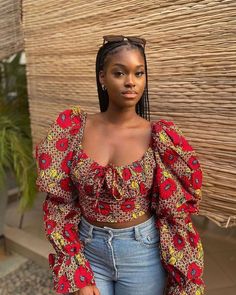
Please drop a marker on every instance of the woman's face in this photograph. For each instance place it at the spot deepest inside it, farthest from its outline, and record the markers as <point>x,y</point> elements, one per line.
<point>124,77</point>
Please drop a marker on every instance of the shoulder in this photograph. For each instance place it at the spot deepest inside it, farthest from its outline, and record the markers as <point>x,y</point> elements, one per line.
<point>67,122</point>
<point>69,117</point>
<point>168,132</point>
<point>64,128</point>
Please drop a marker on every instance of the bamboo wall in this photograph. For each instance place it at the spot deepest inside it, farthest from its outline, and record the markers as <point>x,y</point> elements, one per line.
<point>11,34</point>
<point>191,64</point>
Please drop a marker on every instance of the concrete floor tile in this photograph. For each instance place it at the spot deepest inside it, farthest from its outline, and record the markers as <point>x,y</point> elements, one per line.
<point>224,291</point>
<point>214,244</point>
<point>11,263</point>
<point>214,276</point>
<point>227,261</point>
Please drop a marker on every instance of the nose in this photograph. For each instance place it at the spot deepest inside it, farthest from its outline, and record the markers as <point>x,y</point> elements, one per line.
<point>129,82</point>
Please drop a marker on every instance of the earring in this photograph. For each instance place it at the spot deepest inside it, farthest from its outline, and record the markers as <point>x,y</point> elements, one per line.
<point>104,88</point>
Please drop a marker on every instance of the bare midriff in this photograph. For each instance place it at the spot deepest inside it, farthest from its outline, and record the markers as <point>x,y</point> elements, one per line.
<point>125,224</point>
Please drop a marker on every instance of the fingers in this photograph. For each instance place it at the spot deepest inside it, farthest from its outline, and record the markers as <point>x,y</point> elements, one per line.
<point>96,291</point>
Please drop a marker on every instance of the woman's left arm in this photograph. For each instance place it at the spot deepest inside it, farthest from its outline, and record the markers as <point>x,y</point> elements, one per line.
<point>176,195</point>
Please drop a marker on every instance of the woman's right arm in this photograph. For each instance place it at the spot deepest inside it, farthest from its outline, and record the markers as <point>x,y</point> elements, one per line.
<point>71,270</point>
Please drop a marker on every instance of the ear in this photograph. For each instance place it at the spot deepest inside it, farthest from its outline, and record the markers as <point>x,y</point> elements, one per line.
<point>102,77</point>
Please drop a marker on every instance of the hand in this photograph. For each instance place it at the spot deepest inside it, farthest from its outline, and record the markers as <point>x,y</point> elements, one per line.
<point>88,290</point>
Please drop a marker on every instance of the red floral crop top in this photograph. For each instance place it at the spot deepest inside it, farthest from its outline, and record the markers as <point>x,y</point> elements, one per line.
<point>166,180</point>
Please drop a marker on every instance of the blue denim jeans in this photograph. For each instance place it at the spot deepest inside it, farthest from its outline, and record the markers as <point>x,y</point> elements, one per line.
<point>125,261</point>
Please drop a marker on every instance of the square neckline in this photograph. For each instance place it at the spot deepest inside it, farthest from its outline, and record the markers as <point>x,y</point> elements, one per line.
<point>111,165</point>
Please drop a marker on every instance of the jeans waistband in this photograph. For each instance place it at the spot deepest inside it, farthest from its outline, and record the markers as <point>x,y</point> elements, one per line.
<point>90,228</point>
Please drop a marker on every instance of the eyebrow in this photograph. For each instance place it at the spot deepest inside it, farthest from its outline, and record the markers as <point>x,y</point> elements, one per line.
<point>121,65</point>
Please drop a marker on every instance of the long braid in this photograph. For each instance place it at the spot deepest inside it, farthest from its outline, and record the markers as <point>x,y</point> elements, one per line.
<point>142,107</point>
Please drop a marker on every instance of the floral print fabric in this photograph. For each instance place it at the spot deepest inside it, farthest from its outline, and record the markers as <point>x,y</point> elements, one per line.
<point>167,180</point>
<point>176,195</point>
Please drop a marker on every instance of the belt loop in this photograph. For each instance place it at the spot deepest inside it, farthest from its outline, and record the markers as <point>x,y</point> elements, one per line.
<point>90,232</point>
<point>137,233</point>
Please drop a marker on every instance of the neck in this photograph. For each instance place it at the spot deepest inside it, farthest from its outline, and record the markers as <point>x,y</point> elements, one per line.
<point>122,117</point>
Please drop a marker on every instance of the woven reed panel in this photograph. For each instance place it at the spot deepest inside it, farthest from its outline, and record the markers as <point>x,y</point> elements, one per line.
<point>191,64</point>
<point>11,33</point>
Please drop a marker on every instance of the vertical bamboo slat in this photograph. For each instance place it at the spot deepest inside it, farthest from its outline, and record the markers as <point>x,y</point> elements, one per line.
<point>11,34</point>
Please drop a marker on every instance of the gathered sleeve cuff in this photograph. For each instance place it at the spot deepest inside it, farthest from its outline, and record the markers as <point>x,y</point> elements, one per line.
<point>54,157</point>
<point>176,195</point>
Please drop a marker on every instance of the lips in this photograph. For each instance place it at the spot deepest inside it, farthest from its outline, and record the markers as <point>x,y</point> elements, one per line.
<point>129,94</point>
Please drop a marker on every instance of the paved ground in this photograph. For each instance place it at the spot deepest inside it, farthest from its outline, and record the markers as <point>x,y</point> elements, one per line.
<point>28,279</point>
<point>21,276</point>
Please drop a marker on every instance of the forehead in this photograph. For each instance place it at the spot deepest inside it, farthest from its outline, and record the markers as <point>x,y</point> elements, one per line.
<point>126,56</point>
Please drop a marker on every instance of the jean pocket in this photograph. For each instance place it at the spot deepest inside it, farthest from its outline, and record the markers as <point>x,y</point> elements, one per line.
<point>148,238</point>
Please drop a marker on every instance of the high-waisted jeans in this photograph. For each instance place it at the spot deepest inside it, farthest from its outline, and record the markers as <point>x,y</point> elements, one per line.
<point>125,261</point>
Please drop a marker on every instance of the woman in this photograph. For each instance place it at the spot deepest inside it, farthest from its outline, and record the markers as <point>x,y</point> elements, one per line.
<point>120,189</point>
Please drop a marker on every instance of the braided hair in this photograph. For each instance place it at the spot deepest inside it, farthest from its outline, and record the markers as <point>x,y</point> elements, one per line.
<point>110,48</point>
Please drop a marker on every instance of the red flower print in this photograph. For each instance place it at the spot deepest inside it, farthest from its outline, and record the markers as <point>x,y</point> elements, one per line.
<point>174,273</point>
<point>98,169</point>
<point>45,161</point>
<point>51,259</point>
<point>66,163</point>
<point>71,214</point>
<point>82,277</point>
<point>102,208</point>
<point>167,188</point>
<point>50,225</point>
<point>115,192</point>
<point>69,232</point>
<point>193,163</point>
<point>137,168</point>
<point>197,179</point>
<point>186,181</point>
<point>174,136</point>
<point>68,260</point>
<point>76,120</point>
<point>56,269</point>
<point>194,271</point>
<point>127,205</point>
<point>187,219</point>
<point>157,127</point>
<point>193,239</point>
<point>82,155</point>
<point>74,130</point>
<point>62,144</point>
<point>72,249</point>
<point>185,145</point>
<point>159,174</point>
<point>142,188</point>
<point>187,195</point>
<point>170,157</point>
<point>164,212</point>
<point>64,119</point>
<point>66,184</point>
<point>126,174</point>
<point>63,285</point>
<point>167,123</point>
<point>88,188</point>
<point>179,242</point>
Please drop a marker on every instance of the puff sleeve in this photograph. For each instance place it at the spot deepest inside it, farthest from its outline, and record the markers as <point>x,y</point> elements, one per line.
<point>176,195</point>
<point>54,154</point>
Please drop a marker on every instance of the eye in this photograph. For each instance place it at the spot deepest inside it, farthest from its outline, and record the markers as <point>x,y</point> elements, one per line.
<point>140,74</point>
<point>118,73</point>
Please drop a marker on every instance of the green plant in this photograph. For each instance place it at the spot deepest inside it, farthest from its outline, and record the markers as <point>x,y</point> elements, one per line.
<point>15,135</point>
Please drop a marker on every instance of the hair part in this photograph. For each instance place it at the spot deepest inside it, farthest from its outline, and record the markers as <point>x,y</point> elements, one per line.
<point>104,52</point>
